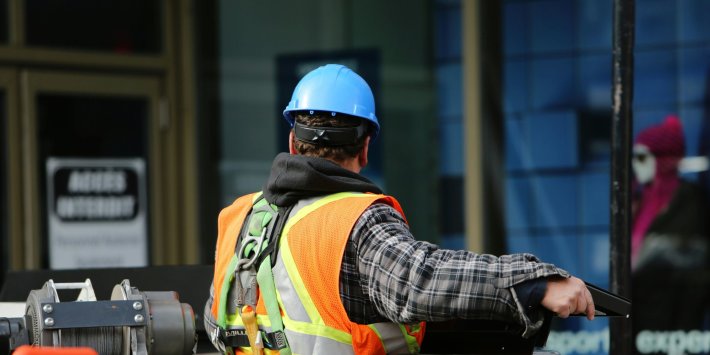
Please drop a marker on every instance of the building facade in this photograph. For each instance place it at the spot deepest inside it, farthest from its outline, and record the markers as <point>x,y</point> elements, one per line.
<point>127,125</point>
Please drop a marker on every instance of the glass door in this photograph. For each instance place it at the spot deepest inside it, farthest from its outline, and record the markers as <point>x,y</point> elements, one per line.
<point>7,92</point>
<point>93,145</point>
<point>4,233</point>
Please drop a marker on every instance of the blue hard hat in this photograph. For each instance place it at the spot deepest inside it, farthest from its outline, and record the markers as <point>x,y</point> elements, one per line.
<point>334,88</point>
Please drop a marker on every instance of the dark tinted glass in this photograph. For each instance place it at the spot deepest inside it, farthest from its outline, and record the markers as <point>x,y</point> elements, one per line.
<point>4,235</point>
<point>4,23</point>
<point>118,26</point>
<point>84,126</point>
<point>91,126</point>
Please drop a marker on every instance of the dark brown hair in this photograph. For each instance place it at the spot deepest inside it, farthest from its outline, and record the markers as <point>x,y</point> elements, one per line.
<point>322,119</point>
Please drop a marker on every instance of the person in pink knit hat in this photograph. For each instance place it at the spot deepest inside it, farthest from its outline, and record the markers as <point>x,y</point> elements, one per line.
<point>670,248</point>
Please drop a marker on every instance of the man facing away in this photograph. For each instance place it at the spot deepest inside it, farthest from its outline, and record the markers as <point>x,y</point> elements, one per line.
<point>337,269</point>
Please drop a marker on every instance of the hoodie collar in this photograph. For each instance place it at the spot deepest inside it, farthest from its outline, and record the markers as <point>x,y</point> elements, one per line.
<point>295,177</point>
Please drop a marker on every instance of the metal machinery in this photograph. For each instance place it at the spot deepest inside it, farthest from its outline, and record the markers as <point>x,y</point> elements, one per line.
<point>131,322</point>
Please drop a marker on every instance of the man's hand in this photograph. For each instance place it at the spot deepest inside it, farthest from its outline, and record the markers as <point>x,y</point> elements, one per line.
<point>565,296</point>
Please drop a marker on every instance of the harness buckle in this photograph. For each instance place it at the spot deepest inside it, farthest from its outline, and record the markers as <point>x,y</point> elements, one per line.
<point>245,287</point>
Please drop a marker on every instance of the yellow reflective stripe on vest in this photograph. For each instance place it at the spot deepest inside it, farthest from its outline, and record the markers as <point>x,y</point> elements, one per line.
<point>410,340</point>
<point>316,326</point>
<point>313,344</point>
<point>303,301</point>
<point>317,204</point>
<point>392,337</point>
<point>288,258</point>
<point>285,289</point>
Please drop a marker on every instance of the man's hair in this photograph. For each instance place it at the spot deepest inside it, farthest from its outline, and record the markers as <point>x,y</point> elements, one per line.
<point>326,119</point>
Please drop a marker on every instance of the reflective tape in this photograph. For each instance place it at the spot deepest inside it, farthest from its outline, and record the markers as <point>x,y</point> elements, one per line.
<point>312,344</point>
<point>392,338</point>
<point>293,308</point>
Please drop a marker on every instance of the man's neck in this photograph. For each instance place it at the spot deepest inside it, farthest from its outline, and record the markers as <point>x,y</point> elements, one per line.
<point>349,164</point>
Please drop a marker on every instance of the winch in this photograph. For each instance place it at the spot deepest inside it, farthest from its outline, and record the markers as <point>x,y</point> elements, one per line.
<point>132,322</point>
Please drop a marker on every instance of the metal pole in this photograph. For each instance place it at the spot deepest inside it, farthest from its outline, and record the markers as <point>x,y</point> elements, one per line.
<point>621,341</point>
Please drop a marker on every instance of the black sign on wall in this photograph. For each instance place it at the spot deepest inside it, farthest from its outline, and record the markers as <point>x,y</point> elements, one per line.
<point>95,193</point>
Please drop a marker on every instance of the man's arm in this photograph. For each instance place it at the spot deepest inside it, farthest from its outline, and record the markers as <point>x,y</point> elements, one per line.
<point>409,280</point>
<point>563,298</point>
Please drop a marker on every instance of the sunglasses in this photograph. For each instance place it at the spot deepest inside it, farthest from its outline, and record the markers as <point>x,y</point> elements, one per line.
<point>640,157</point>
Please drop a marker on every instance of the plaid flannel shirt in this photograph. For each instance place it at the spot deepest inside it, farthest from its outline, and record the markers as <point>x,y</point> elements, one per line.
<point>388,275</point>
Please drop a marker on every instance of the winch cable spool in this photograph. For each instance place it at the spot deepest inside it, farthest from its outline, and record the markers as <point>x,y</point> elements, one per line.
<point>138,323</point>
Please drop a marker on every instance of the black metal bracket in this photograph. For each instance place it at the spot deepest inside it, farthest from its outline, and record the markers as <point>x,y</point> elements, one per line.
<point>63,315</point>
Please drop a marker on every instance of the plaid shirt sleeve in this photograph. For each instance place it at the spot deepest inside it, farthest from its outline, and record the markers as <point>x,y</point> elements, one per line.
<point>409,280</point>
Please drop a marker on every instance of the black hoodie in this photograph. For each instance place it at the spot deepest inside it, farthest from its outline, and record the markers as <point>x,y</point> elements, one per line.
<point>295,177</point>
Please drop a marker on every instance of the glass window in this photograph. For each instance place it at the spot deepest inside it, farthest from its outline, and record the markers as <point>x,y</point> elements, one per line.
<point>515,16</point>
<point>553,140</point>
<point>552,82</point>
<point>448,32</point>
<point>4,218</point>
<point>449,90</point>
<point>558,159</point>
<point>656,22</point>
<point>594,25</point>
<point>448,72</point>
<point>655,78</point>
<point>694,74</point>
<point>556,97</point>
<point>518,206</point>
<point>95,126</point>
<point>671,209</point>
<point>516,158</point>
<point>595,81</point>
<point>89,137</point>
<point>116,26</point>
<point>4,22</point>
<point>554,246</point>
<point>450,152</point>
<point>515,85</point>
<point>693,20</point>
<point>550,24</point>
<point>452,216</point>
<point>555,203</point>
<point>694,123</point>
<point>592,184</point>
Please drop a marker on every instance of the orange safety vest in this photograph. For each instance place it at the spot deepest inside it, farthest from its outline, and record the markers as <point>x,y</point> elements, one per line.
<point>306,274</point>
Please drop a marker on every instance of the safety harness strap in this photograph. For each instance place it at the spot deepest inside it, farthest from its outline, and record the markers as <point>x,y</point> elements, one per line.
<point>256,244</point>
<point>272,247</point>
<point>267,287</point>
<point>237,338</point>
<point>228,277</point>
